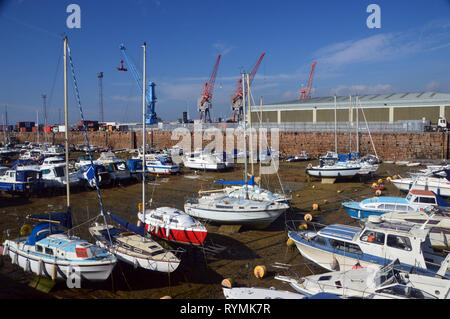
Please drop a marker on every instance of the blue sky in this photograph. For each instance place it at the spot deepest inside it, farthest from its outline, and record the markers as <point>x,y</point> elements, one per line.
<point>409,53</point>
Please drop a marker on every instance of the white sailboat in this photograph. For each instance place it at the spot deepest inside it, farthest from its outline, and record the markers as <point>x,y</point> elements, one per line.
<point>132,246</point>
<point>222,208</point>
<point>48,250</point>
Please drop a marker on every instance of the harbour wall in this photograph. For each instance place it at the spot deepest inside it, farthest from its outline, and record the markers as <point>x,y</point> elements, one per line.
<point>389,146</point>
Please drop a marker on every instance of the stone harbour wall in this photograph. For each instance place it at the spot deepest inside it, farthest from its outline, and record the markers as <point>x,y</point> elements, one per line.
<point>389,146</point>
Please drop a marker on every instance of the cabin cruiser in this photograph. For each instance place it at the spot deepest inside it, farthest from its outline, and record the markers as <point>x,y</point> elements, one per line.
<point>302,156</point>
<point>34,154</point>
<point>374,282</point>
<point>339,247</point>
<point>53,171</point>
<point>116,167</point>
<point>22,181</point>
<point>86,175</point>
<point>416,200</point>
<point>203,161</point>
<point>83,160</point>
<point>435,182</point>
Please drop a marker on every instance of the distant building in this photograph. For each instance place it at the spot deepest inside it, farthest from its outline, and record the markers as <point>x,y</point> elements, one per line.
<point>377,108</point>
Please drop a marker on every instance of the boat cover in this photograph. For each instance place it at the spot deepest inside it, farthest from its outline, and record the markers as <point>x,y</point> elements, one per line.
<point>64,218</point>
<point>41,231</point>
<point>140,230</point>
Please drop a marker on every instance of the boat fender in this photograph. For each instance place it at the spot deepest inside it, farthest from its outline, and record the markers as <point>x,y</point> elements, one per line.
<point>290,242</point>
<point>335,264</point>
<point>54,271</point>
<point>157,229</point>
<point>315,206</point>
<point>40,267</point>
<point>308,217</point>
<point>167,232</point>
<point>139,223</point>
<point>260,271</point>
<point>25,230</point>
<point>378,192</point>
<point>15,258</point>
<point>227,283</point>
<point>27,265</point>
<point>135,263</point>
<point>5,249</point>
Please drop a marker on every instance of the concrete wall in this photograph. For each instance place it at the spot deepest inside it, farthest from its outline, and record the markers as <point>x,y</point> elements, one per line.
<point>389,146</point>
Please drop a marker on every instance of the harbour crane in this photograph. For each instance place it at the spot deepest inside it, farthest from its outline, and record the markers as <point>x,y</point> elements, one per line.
<point>236,98</point>
<point>204,101</point>
<point>150,97</point>
<point>305,93</point>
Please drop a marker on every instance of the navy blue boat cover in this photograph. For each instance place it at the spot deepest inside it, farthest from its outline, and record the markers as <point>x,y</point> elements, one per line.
<point>131,227</point>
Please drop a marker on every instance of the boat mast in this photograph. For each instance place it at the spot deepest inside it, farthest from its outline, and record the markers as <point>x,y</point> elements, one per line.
<point>357,127</point>
<point>66,123</point>
<point>37,123</point>
<point>245,135</point>
<point>143,128</point>
<point>250,124</point>
<point>335,126</point>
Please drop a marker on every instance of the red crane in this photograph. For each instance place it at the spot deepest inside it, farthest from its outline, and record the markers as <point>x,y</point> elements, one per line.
<point>121,67</point>
<point>208,88</point>
<point>305,93</point>
<point>236,98</point>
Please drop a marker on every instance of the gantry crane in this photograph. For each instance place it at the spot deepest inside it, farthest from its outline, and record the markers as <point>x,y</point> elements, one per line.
<point>236,98</point>
<point>305,93</point>
<point>204,101</point>
<point>150,97</point>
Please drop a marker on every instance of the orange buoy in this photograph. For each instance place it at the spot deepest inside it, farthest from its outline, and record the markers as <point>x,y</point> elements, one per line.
<point>303,226</point>
<point>298,195</point>
<point>378,192</point>
<point>290,242</point>
<point>260,271</point>
<point>227,283</point>
<point>315,206</point>
<point>308,217</point>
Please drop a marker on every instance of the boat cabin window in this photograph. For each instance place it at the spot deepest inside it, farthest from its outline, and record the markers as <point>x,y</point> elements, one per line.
<point>427,200</point>
<point>345,246</point>
<point>60,171</point>
<point>319,240</point>
<point>371,236</point>
<point>38,249</point>
<point>11,174</point>
<point>45,171</point>
<point>48,251</point>
<point>399,242</point>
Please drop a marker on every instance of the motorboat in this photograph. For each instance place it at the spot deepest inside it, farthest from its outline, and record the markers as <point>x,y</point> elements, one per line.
<point>53,150</point>
<point>173,225</point>
<point>302,156</point>
<point>374,282</point>
<point>22,182</point>
<point>53,172</point>
<point>161,165</point>
<point>203,161</point>
<point>129,244</point>
<point>339,247</point>
<point>33,154</point>
<point>49,251</point>
<point>226,158</point>
<point>115,166</point>
<point>415,201</point>
<point>83,160</point>
<point>334,170</point>
<point>434,182</point>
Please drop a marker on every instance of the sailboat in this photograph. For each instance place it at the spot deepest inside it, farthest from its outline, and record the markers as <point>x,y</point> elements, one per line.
<point>49,250</point>
<point>225,209</point>
<point>131,245</point>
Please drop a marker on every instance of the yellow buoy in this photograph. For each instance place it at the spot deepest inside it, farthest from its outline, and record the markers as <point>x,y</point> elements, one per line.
<point>303,226</point>
<point>374,184</point>
<point>380,181</point>
<point>338,191</point>
<point>308,217</point>
<point>314,186</point>
<point>140,207</point>
<point>260,271</point>
<point>227,283</point>
<point>290,242</point>
<point>388,179</point>
<point>315,206</point>
<point>325,201</point>
<point>394,177</point>
<point>25,230</point>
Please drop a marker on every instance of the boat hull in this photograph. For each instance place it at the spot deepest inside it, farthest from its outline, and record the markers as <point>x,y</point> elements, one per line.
<point>332,172</point>
<point>181,236</point>
<point>441,188</point>
<point>92,271</point>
